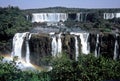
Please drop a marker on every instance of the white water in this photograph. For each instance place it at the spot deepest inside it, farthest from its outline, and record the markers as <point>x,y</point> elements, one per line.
<point>56,44</point>
<point>56,17</point>
<point>21,64</point>
<point>111,15</point>
<point>18,40</point>
<point>28,49</point>
<point>84,41</point>
<point>49,17</point>
<point>76,49</point>
<point>27,52</point>
<point>116,48</point>
<point>97,48</point>
<point>59,44</point>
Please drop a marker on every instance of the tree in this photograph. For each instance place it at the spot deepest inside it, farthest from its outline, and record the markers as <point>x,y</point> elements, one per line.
<point>12,20</point>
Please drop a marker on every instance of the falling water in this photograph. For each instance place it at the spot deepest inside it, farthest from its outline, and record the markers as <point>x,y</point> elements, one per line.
<point>97,48</point>
<point>48,17</point>
<point>84,41</point>
<point>76,49</point>
<point>56,44</point>
<point>28,49</point>
<point>59,44</point>
<point>116,48</point>
<point>18,40</point>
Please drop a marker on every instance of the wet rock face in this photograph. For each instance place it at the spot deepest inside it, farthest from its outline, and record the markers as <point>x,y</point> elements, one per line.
<point>107,43</point>
<point>119,47</point>
<point>68,45</point>
<point>92,40</point>
<point>40,46</point>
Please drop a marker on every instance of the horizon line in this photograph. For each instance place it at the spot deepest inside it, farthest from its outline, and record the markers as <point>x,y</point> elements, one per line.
<point>61,7</point>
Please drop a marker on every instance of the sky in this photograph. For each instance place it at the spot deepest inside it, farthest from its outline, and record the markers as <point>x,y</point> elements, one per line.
<point>31,4</point>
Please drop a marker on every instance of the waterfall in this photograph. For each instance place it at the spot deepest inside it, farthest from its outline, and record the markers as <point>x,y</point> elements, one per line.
<point>85,44</point>
<point>49,17</point>
<point>56,44</point>
<point>18,40</point>
<point>53,43</point>
<point>116,48</point>
<point>59,43</point>
<point>97,48</point>
<point>76,49</point>
<point>117,15</point>
<point>28,49</point>
<point>111,15</point>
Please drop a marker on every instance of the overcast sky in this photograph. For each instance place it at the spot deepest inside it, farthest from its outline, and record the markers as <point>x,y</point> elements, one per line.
<point>28,4</point>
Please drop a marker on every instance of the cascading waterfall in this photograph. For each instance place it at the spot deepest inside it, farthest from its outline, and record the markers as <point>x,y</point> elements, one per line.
<point>18,40</point>
<point>56,44</point>
<point>27,48</point>
<point>116,48</point>
<point>49,17</point>
<point>53,43</point>
<point>97,48</point>
<point>85,44</point>
<point>59,44</point>
<point>76,49</point>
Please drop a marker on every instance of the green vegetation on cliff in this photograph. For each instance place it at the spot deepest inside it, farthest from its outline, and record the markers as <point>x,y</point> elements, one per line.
<point>12,20</point>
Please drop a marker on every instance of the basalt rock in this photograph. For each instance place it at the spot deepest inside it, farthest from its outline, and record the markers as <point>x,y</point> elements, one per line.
<point>69,45</point>
<point>107,43</point>
<point>40,46</point>
<point>92,39</point>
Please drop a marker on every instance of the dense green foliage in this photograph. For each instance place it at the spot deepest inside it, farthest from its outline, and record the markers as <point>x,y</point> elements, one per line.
<point>87,68</point>
<point>12,20</point>
<point>96,24</point>
<point>10,72</point>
